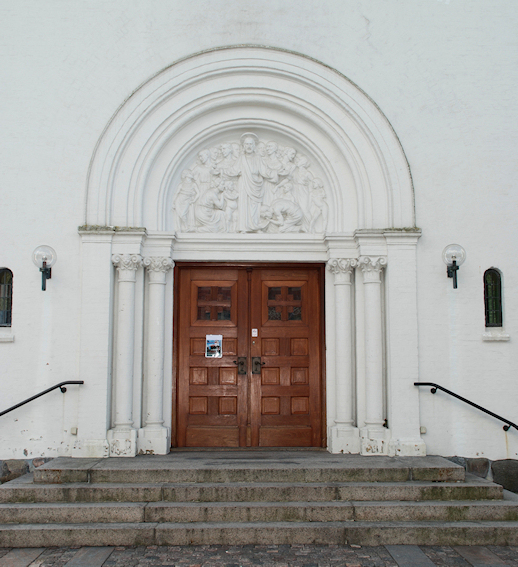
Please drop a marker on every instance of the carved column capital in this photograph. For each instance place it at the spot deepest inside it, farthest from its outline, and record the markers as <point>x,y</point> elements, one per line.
<point>158,264</point>
<point>342,269</point>
<point>372,266</point>
<point>157,267</point>
<point>127,265</point>
<point>127,261</point>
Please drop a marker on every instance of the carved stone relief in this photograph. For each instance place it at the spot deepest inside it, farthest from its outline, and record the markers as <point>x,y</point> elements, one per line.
<point>253,186</point>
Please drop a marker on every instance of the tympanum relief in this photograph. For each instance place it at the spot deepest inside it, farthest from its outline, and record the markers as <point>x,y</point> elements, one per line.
<point>252,186</point>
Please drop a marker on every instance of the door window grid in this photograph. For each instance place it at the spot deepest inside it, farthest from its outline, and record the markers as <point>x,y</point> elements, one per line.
<point>214,303</point>
<point>284,303</point>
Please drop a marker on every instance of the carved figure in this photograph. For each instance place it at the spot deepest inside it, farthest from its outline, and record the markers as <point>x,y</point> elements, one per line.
<point>202,171</point>
<point>302,178</point>
<point>272,158</point>
<point>231,196</point>
<point>274,163</point>
<point>209,211</point>
<point>288,165</point>
<point>215,155</point>
<point>284,190</point>
<point>261,149</point>
<point>318,205</point>
<point>287,215</point>
<point>184,201</point>
<point>227,151</point>
<point>252,171</point>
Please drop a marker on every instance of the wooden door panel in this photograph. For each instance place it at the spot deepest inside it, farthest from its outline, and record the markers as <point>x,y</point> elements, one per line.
<point>204,437</point>
<point>279,405</point>
<point>279,436</point>
<point>286,398</point>
<point>212,397</point>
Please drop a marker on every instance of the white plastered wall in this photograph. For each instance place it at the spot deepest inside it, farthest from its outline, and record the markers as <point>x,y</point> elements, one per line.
<point>444,75</point>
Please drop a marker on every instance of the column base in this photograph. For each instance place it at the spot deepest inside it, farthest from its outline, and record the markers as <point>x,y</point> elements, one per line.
<point>407,447</point>
<point>343,439</point>
<point>93,448</point>
<point>374,441</point>
<point>123,442</point>
<point>154,440</point>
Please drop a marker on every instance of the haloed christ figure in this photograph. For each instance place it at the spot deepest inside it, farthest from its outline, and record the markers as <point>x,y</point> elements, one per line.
<point>252,171</point>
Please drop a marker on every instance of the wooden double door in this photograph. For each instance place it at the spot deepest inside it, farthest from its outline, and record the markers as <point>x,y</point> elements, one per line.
<point>262,386</point>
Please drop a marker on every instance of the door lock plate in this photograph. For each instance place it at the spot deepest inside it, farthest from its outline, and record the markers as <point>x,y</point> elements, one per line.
<point>241,365</point>
<point>256,365</point>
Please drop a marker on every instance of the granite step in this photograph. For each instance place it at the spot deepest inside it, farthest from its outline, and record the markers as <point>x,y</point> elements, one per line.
<point>25,491</point>
<point>302,466</point>
<point>222,512</point>
<point>330,511</point>
<point>360,533</point>
<point>75,513</point>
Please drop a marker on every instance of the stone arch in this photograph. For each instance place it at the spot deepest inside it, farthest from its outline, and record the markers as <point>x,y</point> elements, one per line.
<point>230,90</point>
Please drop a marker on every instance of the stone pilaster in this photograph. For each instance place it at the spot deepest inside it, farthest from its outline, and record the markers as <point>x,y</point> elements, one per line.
<point>403,371</point>
<point>343,437</point>
<point>373,434</point>
<point>154,437</point>
<point>123,436</point>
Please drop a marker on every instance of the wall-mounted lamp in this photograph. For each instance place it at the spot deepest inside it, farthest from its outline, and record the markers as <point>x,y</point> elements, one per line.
<point>44,257</point>
<point>453,256</point>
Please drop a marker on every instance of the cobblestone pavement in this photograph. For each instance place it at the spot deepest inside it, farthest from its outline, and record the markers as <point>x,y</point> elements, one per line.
<point>264,555</point>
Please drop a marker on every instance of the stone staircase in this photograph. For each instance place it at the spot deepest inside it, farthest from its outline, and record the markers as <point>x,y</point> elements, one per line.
<point>254,497</point>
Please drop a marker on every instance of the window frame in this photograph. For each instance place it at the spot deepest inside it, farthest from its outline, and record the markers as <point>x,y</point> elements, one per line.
<point>8,297</point>
<point>493,311</point>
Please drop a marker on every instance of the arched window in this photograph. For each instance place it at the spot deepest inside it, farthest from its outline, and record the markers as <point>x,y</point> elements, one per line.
<point>493,297</point>
<point>6,296</point>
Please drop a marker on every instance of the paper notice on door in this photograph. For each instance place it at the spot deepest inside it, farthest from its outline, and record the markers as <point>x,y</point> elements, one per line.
<point>213,346</point>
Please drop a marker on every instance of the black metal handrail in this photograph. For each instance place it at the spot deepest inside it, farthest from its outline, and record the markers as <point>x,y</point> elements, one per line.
<point>60,386</point>
<point>436,387</point>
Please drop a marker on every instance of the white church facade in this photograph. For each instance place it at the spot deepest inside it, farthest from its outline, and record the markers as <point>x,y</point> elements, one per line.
<point>250,243</point>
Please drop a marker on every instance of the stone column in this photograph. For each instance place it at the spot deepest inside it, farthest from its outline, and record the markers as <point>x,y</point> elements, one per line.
<point>373,439</point>
<point>343,436</point>
<point>123,437</point>
<point>154,437</point>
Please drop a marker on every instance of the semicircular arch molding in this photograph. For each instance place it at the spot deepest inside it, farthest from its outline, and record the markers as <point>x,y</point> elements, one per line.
<point>213,98</point>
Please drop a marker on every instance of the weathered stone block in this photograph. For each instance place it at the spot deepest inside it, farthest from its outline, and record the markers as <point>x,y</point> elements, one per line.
<point>13,468</point>
<point>505,472</point>
<point>479,467</point>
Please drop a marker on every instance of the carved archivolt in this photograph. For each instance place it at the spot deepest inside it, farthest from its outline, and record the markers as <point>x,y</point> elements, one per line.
<point>251,186</point>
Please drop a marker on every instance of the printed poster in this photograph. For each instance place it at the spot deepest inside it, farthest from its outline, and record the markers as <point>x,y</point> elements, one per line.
<point>213,346</point>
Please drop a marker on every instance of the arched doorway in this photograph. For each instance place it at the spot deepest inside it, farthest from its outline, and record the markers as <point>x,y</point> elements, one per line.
<point>335,189</point>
